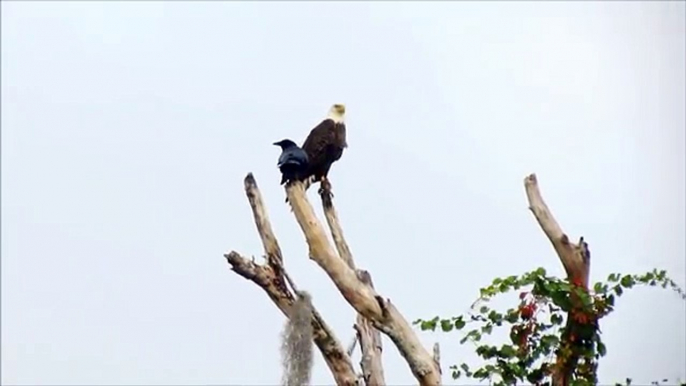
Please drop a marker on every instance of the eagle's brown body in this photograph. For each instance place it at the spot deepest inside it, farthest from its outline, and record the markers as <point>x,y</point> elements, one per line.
<point>325,144</point>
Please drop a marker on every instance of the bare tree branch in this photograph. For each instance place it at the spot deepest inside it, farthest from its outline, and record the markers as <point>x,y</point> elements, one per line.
<point>370,343</point>
<point>351,346</point>
<point>336,230</point>
<point>264,227</point>
<point>576,259</point>
<point>368,336</point>
<point>362,297</point>
<point>332,350</point>
<point>270,279</point>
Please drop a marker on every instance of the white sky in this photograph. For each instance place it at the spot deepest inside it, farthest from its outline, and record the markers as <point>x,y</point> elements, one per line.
<point>127,130</point>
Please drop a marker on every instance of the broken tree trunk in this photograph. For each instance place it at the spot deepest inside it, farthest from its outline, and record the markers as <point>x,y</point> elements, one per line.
<point>576,259</point>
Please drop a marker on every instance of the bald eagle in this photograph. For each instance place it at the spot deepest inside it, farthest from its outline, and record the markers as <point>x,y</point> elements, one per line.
<point>293,162</point>
<point>324,145</point>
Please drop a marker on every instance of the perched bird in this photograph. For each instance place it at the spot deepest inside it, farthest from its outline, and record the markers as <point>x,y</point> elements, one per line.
<point>324,145</point>
<point>293,161</point>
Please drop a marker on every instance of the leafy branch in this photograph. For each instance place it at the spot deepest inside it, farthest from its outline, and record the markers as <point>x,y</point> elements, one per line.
<point>537,330</point>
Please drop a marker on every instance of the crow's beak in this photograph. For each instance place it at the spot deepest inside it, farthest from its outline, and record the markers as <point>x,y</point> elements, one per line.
<point>276,143</point>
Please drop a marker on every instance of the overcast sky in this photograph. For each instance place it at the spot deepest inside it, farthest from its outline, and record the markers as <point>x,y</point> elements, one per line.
<point>127,130</point>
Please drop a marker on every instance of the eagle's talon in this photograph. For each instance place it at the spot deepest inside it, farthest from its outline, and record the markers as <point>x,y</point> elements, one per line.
<point>325,188</point>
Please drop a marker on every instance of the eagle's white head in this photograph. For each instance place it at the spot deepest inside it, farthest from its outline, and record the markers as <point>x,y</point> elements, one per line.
<point>337,113</point>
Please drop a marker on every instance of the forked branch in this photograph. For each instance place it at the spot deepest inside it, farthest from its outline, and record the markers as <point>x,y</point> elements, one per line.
<point>370,343</point>
<point>336,358</point>
<point>362,297</point>
<point>270,278</point>
<point>368,336</point>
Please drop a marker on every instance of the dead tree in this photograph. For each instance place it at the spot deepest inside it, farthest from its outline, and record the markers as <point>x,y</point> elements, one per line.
<point>375,313</point>
<point>575,257</point>
<point>355,285</point>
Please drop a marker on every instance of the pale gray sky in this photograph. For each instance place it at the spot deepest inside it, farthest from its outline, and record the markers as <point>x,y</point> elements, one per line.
<point>127,129</point>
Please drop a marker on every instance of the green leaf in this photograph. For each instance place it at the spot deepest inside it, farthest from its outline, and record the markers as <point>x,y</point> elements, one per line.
<point>540,271</point>
<point>602,350</point>
<point>429,324</point>
<point>556,319</point>
<point>495,317</point>
<point>446,325</point>
<point>585,298</point>
<point>507,351</point>
<point>611,300</point>
<point>618,290</point>
<point>511,280</point>
<point>481,374</point>
<point>600,288</point>
<point>512,316</point>
<point>549,340</point>
<point>483,309</point>
<point>627,281</point>
<point>459,323</point>
<point>561,299</point>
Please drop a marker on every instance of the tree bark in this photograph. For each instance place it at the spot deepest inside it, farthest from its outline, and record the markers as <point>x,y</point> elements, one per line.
<point>576,259</point>
<point>362,297</point>
<point>370,343</point>
<point>437,357</point>
<point>336,358</point>
<point>368,336</point>
<point>270,278</point>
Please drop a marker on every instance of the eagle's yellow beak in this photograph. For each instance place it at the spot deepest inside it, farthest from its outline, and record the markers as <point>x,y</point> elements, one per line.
<point>340,108</point>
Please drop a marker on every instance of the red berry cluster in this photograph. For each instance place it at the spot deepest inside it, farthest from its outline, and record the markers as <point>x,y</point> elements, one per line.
<point>527,311</point>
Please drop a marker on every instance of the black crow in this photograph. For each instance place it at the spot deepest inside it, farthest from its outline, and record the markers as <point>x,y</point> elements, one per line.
<point>293,161</point>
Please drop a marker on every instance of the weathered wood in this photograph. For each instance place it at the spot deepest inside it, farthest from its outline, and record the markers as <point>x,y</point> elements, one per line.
<point>368,336</point>
<point>362,297</point>
<point>270,278</point>
<point>437,357</point>
<point>575,258</point>
<point>264,227</point>
<point>370,343</point>
<point>351,346</point>
<point>336,358</point>
<point>336,229</point>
